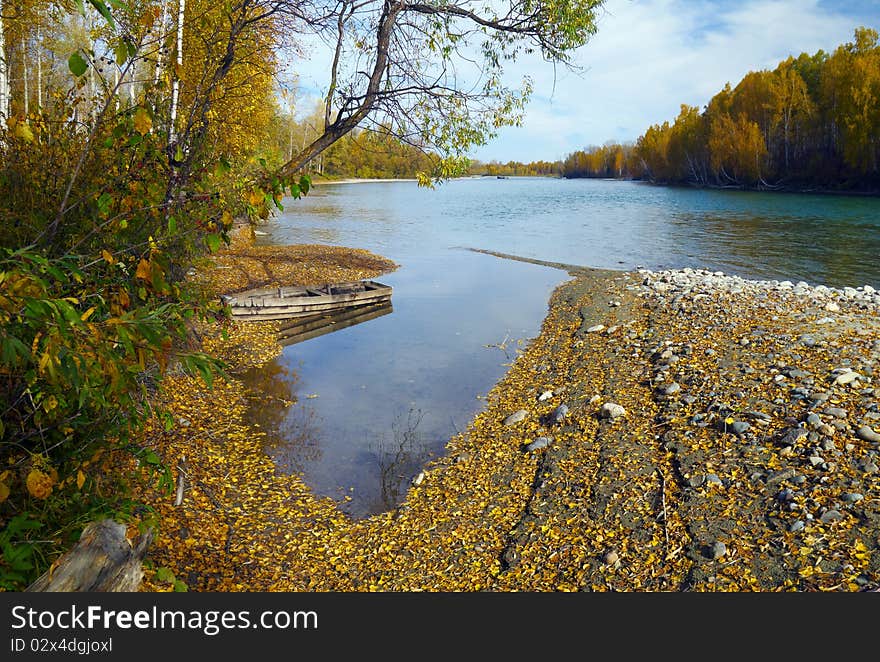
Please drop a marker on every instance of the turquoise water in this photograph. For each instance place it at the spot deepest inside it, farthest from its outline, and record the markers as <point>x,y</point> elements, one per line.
<point>375,400</point>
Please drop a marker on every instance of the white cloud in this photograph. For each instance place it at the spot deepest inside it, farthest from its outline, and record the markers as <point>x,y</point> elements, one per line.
<point>647,58</point>
<point>650,56</point>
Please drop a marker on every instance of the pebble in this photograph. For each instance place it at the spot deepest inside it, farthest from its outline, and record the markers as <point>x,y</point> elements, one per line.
<point>740,427</point>
<point>799,525</point>
<point>852,497</point>
<point>830,516</point>
<point>868,434</point>
<point>780,476</point>
<point>792,436</point>
<point>814,420</point>
<point>546,395</point>
<point>539,443</point>
<point>808,341</point>
<point>596,328</point>
<point>559,414</point>
<point>612,410</point>
<point>717,550</point>
<point>846,378</point>
<point>836,412</point>
<point>670,389</point>
<point>418,479</point>
<point>516,417</point>
<point>611,558</point>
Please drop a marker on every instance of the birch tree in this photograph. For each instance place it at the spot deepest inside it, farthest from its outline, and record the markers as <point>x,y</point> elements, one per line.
<point>4,72</point>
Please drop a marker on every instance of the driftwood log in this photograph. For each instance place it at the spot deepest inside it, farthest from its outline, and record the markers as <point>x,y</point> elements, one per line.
<point>103,560</point>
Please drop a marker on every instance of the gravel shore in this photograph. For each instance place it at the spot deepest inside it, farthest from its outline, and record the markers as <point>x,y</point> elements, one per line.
<point>724,432</point>
<point>666,431</point>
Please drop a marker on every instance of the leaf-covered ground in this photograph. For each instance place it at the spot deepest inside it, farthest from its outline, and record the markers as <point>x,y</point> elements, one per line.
<point>716,477</point>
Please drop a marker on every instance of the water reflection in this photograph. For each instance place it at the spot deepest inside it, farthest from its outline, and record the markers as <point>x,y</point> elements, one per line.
<point>396,460</point>
<point>354,431</point>
<point>292,432</point>
<point>313,326</point>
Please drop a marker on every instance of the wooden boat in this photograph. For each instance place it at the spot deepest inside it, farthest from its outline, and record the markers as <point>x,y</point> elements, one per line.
<point>279,303</point>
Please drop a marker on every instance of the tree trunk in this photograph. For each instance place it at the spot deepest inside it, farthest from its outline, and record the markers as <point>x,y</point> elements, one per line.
<point>24,69</point>
<point>39,69</point>
<point>102,561</point>
<point>175,87</point>
<point>4,74</point>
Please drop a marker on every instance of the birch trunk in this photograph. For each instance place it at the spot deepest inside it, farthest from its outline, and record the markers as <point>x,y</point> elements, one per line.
<point>4,74</point>
<point>39,69</point>
<point>175,88</point>
<point>24,69</point>
<point>160,43</point>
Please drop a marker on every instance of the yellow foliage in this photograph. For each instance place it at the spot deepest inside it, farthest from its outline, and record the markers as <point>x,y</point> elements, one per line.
<point>142,122</point>
<point>39,484</point>
<point>23,132</point>
<point>143,270</point>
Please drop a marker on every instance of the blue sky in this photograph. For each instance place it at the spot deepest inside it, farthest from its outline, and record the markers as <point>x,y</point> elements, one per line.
<point>650,56</point>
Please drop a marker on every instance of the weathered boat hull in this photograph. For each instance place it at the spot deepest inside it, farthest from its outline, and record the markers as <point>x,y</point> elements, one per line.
<point>280,303</point>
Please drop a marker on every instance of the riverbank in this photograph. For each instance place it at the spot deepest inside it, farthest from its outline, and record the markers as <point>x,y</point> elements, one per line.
<point>670,431</point>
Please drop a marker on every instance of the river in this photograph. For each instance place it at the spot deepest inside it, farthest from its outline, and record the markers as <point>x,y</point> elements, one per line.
<point>374,401</point>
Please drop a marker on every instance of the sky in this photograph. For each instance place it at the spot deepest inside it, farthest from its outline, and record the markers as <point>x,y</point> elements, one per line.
<point>650,56</point>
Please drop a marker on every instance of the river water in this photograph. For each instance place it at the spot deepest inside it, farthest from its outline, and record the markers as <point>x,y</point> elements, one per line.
<point>375,400</point>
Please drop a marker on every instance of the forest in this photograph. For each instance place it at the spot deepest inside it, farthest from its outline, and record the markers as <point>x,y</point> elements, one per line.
<point>811,123</point>
<point>134,136</point>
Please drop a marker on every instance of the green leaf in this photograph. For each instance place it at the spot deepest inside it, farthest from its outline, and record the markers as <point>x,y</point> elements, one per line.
<point>103,203</point>
<point>164,574</point>
<point>77,64</point>
<point>179,586</point>
<point>151,458</point>
<point>213,241</point>
<point>121,52</point>
<point>305,183</point>
<point>172,225</point>
<point>103,10</point>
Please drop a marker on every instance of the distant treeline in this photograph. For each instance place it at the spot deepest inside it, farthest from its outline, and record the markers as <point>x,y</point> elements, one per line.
<point>517,169</point>
<point>814,121</point>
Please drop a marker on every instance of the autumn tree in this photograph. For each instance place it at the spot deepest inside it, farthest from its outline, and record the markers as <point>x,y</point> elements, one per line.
<point>434,71</point>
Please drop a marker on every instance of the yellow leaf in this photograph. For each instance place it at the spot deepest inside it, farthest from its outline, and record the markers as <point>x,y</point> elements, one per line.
<point>80,479</point>
<point>143,270</point>
<point>4,492</point>
<point>107,256</point>
<point>142,121</point>
<point>86,315</point>
<point>39,484</point>
<point>44,360</point>
<point>23,131</point>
